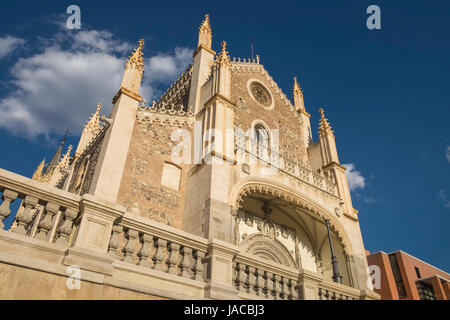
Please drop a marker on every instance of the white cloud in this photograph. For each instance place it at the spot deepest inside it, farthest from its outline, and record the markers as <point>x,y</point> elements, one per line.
<point>372,200</point>
<point>59,87</point>
<point>102,41</point>
<point>8,44</point>
<point>164,67</point>
<point>354,177</point>
<point>443,197</point>
<point>447,153</point>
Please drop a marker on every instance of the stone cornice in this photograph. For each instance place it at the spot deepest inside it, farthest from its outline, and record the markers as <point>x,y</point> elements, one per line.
<point>304,112</point>
<point>200,47</point>
<point>131,94</point>
<point>40,190</point>
<point>334,164</point>
<point>222,247</point>
<point>223,157</point>
<point>93,204</point>
<point>351,217</point>
<point>219,97</point>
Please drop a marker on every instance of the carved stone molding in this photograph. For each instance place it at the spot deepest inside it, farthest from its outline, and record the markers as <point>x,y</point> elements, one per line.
<point>268,248</point>
<point>268,188</point>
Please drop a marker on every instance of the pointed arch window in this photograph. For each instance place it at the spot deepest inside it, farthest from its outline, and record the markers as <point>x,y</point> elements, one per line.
<point>261,134</point>
<point>262,138</point>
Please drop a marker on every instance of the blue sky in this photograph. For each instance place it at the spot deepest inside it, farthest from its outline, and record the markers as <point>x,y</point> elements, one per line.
<point>385,92</point>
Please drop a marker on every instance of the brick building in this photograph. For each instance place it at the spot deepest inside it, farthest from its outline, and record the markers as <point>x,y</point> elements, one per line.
<point>404,277</point>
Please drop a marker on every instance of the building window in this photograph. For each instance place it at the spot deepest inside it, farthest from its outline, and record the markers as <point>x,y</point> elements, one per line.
<point>417,272</point>
<point>260,93</point>
<point>261,135</point>
<point>397,276</point>
<point>426,291</point>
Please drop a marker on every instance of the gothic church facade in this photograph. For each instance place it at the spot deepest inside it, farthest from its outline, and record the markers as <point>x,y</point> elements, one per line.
<point>216,190</point>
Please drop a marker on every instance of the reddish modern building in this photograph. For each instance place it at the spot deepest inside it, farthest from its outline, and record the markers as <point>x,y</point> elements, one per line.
<point>404,277</point>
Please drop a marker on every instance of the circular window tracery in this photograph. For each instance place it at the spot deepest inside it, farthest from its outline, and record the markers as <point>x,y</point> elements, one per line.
<point>260,94</point>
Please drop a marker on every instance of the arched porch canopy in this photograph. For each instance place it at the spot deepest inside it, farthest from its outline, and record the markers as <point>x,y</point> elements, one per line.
<point>272,190</point>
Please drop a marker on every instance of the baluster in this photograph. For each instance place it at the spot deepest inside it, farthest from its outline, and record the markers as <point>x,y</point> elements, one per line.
<point>174,258</point>
<point>144,253</point>
<point>269,285</point>
<point>333,296</point>
<point>238,276</point>
<point>233,274</point>
<point>241,277</point>
<point>277,287</point>
<point>294,289</point>
<point>186,263</point>
<point>160,255</point>
<point>114,241</point>
<point>46,223</point>
<point>65,229</point>
<point>252,286</point>
<point>260,282</point>
<point>25,217</point>
<point>320,294</point>
<point>8,196</point>
<point>198,268</point>
<point>327,295</point>
<point>284,288</point>
<point>36,215</point>
<point>130,247</point>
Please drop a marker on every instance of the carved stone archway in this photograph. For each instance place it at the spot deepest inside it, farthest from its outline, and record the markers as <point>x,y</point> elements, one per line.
<point>263,186</point>
<point>269,249</point>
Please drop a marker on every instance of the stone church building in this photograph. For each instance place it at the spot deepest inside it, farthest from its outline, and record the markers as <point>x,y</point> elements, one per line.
<point>217,190</point>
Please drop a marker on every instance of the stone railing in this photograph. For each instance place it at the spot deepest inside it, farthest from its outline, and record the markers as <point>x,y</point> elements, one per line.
<point>43,213</point>
<point>55,229</point>
<point>258,279</point>
<point>246,60</point>
<point>264,154</point>
<point>334,291</point>
<point>158,247</point>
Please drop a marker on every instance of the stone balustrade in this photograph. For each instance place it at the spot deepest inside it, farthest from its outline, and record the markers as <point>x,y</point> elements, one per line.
<point>158,247</point>
<point>244,145</point>
<point>258,279</point>
<point>42,214</point>
<point>237,60</point>
<point>334,291</point>
<point>113,247</point>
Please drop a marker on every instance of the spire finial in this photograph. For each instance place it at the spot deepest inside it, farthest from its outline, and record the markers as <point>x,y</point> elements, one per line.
<point>37,175</point>
<point>93,124</point>
<point>64,163</point>
<point>136,59</point>
<point>324,126</point>
<point>205,34</point>
<point>90,131</point>
<point>223,56</point>
<point>298,96</point>
<point>55,159</point>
